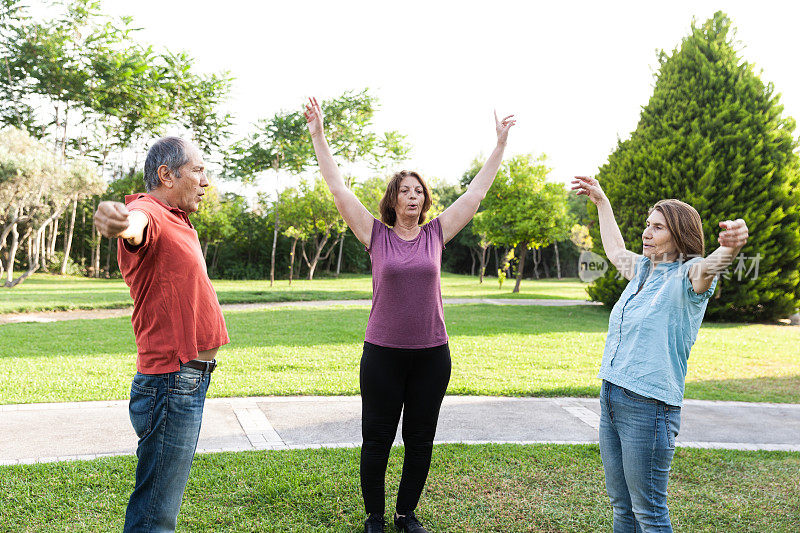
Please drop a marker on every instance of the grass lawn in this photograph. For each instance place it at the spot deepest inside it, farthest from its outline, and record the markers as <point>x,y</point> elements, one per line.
<point>487,488</point>
<point>496,350</point>
<point>42,292</point>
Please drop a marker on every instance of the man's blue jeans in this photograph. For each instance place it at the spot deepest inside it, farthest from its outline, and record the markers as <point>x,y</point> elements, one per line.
<point>166,411</point>
<point>637,442</point>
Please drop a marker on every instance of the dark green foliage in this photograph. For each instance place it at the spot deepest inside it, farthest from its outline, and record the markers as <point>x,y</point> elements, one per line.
<point>713,136</point>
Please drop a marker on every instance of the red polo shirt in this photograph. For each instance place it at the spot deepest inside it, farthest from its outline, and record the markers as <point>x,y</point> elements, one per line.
<point>175,309</point>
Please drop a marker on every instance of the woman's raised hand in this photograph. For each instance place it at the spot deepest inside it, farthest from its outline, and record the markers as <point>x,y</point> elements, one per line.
<point>503,126</point>
<point>734,235</point>
<point>313,116</point>
<point>590,187</point>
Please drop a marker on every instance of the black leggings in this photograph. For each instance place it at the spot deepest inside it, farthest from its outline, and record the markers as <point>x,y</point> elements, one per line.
<point>395,379</point>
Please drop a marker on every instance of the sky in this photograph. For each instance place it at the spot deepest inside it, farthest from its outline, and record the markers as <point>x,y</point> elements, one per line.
<point>575,74</point>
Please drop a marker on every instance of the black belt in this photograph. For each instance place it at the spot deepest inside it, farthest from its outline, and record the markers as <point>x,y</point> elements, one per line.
<point>206,366</point>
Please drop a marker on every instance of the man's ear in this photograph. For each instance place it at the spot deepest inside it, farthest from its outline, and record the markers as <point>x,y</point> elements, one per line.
<point>165,176</point>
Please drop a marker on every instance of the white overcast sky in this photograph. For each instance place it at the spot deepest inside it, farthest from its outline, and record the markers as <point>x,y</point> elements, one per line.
<point>575,73</point>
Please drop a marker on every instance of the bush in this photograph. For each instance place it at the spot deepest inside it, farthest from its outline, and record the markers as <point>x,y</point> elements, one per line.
<point>712,135</point>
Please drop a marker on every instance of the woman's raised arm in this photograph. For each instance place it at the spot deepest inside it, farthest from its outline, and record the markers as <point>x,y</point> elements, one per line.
<point>460,212</point>
<point>357,217</point>
<point>731,241</point>
<point>614,245</point>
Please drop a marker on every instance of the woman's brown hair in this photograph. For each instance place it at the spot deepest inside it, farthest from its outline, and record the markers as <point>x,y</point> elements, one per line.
<point>683,222</point>
<point>389,200</point>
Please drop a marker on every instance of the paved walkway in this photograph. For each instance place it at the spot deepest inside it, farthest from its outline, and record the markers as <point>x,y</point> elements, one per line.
<point>92,314</point>
<point>32,433</point>
<point>86,430</point>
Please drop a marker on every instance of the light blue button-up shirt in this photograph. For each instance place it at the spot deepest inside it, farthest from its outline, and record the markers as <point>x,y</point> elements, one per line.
<point>651,330</point>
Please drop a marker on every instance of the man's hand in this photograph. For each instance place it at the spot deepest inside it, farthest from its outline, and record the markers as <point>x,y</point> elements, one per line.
<point>111,219</point>
<point>114,220</point>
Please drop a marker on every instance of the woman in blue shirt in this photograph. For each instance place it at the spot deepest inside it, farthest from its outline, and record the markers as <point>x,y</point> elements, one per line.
<point>650,332</point>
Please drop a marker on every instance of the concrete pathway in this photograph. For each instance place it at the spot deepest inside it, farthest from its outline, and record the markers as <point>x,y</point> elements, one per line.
<point>32,433</point>
<point>92,314</point>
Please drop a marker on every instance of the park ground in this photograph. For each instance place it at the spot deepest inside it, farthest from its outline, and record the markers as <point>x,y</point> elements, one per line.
<point>498,350</point>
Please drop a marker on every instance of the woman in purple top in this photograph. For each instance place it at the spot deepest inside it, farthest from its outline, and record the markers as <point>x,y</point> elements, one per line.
<point>405,365</point>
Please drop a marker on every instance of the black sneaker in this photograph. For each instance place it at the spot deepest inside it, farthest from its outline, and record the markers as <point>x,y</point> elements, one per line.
<point>375,524</point>
<point>408,523</point>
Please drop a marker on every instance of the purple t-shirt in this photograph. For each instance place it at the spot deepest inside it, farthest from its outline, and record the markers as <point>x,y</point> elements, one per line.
<point>406,288</point>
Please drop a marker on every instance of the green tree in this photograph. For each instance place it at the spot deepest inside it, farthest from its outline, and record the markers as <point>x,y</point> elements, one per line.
<point>214,221</point>
<point>713,136</point>
<point>15,110</point>
<point>370,192</point>
<point>523,211</point>
<point>34,190</point>
<point>322,222</point>
<point>473,235</point>
<point>296,210</point>
<point>79,81</point>
<point>279,145</point>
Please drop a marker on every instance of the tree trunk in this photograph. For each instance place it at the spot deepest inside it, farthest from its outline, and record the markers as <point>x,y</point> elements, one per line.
<point>291,261</point>
<point>12,252</point>
<point>214,260</point>
<point>320,244</point>
<point>42,251</point>
<point>82,242</point>
<point>545,266</point>
<point>35,243</point>
<point>303,255</point>
<point>108,258</point>
<point>55,128</point>
<point>27,238</point>
<point>51,249</point>
<point>496,260</point>
<point>96,251</point>
<point>68,237</point>
<point>205,251</point>
<point>64,138</point>
<point>274,243</point>
<point>536,258</point>
<point>558,261</point>
<point>521,267</point>
<point>482,257</point>
<point>341,250</point>
<point>472,267</point>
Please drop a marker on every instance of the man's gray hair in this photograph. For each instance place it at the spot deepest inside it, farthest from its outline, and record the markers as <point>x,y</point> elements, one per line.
<point>168,151</point>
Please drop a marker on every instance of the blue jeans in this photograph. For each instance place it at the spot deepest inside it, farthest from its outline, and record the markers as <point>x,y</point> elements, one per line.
<point>166,411</point>
<point>637,442</point>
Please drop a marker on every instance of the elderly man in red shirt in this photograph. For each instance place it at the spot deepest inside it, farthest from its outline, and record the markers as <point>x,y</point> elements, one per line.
<point>178,324</point>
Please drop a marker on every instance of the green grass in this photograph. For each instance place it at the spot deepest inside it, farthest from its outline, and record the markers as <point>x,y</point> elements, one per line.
<point>42,292</point>
<point>487,488</point>
<point>496,350</point>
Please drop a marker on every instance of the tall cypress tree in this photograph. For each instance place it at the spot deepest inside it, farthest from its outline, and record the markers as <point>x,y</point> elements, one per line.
<point>713,136</point>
